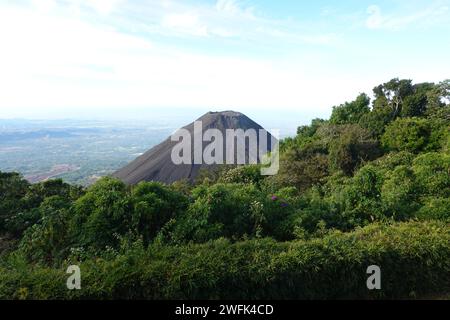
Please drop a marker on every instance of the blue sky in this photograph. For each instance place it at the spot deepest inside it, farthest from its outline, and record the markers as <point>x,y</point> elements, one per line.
<point>85,58</point>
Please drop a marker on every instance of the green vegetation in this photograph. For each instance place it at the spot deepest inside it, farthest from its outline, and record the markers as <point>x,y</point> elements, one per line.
<point>415,257</point>
<point>369,186</point>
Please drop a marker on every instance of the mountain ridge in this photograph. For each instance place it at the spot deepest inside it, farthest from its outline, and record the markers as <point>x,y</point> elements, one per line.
<point>156,164</point>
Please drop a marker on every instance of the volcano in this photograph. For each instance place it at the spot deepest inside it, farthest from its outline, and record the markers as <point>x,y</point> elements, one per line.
<point>157,163</point>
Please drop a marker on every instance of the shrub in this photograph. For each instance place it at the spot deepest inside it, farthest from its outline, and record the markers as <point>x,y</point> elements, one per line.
<point>351,112</point>
<point>414,259</point>
<point>47,240</point>
<point>221,210</point>
<point>242,174</point>
<point>104,212</point>
<point>154,204</point>
<point>12,189</point>
<point>409,134</point>
<point>435,208</point>
<point>353,146</point>
<point>433,174</point>
<point>399,193</point>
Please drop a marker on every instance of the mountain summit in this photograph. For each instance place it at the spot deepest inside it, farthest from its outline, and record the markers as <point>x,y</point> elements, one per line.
<point>157,164</point>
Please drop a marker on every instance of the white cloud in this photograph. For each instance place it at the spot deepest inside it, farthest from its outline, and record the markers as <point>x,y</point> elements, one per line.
<point>229,6</point>
<point>221,20</point>
<point>62,63</point>
<point>232,7</point>
<point>226,19</point>
<point>104,7</point>
<point>185,23</point>
<point>377,20</point>
<point>44,5</point>
<point>63,57</point>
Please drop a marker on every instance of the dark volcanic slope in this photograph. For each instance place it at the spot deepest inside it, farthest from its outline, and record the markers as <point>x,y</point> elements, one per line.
<point>156,164</point>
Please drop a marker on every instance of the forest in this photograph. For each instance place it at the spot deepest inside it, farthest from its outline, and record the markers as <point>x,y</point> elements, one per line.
<point>368,186</point>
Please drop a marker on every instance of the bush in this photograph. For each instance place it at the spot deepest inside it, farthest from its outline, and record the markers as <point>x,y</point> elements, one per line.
<point>47,240</point>
<point>435,208</point>
<point>154,204</point>
<point>242,174</point>
<point>351,112</point>
<point>414,259</point>
<point>301,171</point>
<point>104,212</point>
<point>359,199</point>
<point>433,174</point>
<point>352,146</point>
<point>399,194</point>
<point>221,210</point>
<point>12,189</point>
<point>409,134</point>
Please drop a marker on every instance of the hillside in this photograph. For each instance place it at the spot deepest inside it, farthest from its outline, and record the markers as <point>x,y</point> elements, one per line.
<point>157,165</point>
<point>369,186</point>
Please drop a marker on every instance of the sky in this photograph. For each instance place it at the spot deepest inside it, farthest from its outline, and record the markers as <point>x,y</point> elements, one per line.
<point>135,58</point>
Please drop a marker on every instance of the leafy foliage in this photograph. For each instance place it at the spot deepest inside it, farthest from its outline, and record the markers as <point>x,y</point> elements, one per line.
<point>415,258</point>
<point>407,135</point>
<point>351,112</point>
<point>370,185</point>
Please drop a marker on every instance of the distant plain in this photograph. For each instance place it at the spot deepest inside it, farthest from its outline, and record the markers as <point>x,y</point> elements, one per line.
<point>80,151</point>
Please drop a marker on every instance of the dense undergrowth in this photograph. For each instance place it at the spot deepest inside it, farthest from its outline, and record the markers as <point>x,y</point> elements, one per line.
<point>371,185</point>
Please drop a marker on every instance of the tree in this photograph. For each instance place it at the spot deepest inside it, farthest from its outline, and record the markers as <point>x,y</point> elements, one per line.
<point>409,134</point>
<point>415,105</point>
<point>433,174</point>
<point>12,191</point>
<point>377,120</point>
<point>351,112</point>
<point>444,90</point>
<point>221,210</point>
<point>301,170</point>
<point>242,174</point>
<point>360,198</point>
<point>352,146</point>
<point>392,95</point>
<point>102,214</point>
<point>20,200</point>
<point>305,136</point>
<point>154,204</point>
<point>309,131</point>
<point>56,187</point>
<point>47,240</point>
<point>399,193</point>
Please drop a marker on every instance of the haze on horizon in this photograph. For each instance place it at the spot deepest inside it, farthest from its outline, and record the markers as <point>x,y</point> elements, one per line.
<point>124,58</point>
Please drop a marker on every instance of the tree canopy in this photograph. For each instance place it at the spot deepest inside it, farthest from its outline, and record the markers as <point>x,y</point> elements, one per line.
<point>371,164</point>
